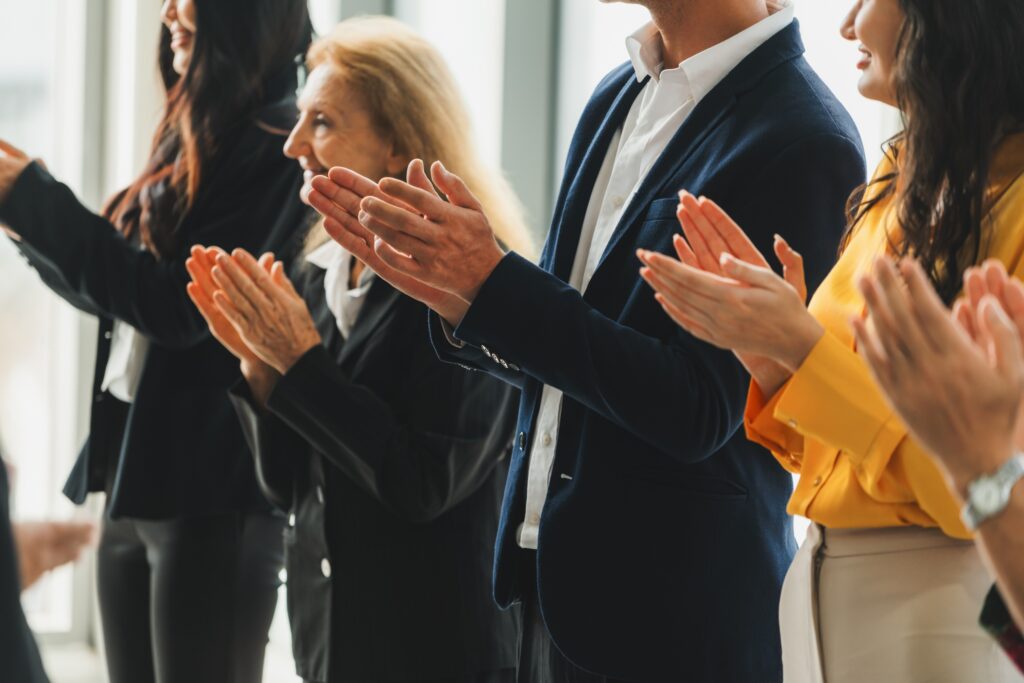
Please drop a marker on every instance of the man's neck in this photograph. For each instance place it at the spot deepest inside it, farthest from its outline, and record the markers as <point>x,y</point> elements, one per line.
<point>689,28</point>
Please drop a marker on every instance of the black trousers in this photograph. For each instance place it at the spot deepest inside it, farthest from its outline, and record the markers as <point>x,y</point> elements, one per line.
<point>189,600</point>
<point>540,660</point>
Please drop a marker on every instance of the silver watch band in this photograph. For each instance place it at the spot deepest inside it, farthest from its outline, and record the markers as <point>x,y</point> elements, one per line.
<point>990,494</point>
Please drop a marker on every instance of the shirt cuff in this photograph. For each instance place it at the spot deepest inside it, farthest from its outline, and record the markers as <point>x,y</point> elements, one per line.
<point>833,398</point>
<point>762,428</point>
<point>449,334</point>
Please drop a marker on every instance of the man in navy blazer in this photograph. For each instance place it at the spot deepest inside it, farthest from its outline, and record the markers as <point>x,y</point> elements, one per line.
<point>646,538</point>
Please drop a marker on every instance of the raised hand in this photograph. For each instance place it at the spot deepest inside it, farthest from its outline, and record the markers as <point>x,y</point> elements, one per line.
<point>12,162</point>
<point>270,317</point>
<point>337,198</point>
<point>959,397</point>
<point>719,260</point>
<point>448,245</point>
<point>43,546</point>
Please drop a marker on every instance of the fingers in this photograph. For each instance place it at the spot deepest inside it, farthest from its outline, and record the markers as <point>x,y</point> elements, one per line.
<point>684,252</point>
<point>900,318</point>
<point>700,233</point>
<point>888,332</point>
<point>1013,303</point>
<point>395,226</point>
<point>681,319</point>
<point>747,273</point>
<point>235,285</point>
<point>1004,339</point>
<point>257,270</point>
<point>457,192</point>
<point>964,316</point>
<point>691,280</point>
<point>279,277</point>
<point>344,179</point>
<point>730,233</point>
<point>929,310</point>
<point>351,235</point>
<point>792,266</point>
<point>422,200</point>
<point>873,353</point>
<point>11,151</point>
<point>396,260</point>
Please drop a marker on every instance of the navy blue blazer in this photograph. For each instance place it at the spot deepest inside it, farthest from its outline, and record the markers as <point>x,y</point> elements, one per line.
<point>664,538</point>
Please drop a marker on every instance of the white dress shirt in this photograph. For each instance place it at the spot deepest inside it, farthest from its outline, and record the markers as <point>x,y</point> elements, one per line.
<point>665,102</point>
<point>127,357</point>
<point>343,301</point>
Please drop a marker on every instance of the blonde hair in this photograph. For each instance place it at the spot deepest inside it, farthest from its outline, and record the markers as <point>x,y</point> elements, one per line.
<point>411,97</point>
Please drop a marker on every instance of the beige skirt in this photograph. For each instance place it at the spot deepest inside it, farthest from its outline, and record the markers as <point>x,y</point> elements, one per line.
<point>897,605</point>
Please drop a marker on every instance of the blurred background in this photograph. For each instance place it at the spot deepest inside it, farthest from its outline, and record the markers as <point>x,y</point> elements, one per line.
<point>78,88</point>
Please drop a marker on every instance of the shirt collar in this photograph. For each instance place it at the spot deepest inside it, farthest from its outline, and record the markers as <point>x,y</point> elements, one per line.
<point>332,256</point>
<point>705,70</point>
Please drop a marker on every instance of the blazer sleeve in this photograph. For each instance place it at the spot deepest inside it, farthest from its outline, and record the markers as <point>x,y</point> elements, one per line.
<point>419,464</point>
<point>53,279</point>
<point>680,395</point>
<point>277,450</point>
<point>96,269</point>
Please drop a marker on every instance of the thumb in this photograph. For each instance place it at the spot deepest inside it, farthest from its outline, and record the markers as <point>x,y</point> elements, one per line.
<point>280,278</point>
<point>416,175</point>
<point>792,266</point>
<point>453,187</point>
<point>748,273</point>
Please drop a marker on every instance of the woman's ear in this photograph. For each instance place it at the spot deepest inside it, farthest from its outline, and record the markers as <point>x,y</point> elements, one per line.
<point>397,162</point>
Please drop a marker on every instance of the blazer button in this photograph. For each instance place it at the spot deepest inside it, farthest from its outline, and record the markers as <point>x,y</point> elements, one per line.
<point>282,576</point>
<point>291,520</point>
<point>325,568</point>
<point>522,441</point>
<point>320,494</point>
<point>108,335</point>
<point>98,398</point>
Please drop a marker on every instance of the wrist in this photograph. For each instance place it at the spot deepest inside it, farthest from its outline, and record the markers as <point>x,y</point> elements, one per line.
<point>261,379</point>
<point>969,466</point>
<point>805,337</point>
<point>288,361</point>
<point>469,296</point>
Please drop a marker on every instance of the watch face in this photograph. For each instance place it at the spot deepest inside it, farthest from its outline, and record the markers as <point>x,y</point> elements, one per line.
<point>987,497</point>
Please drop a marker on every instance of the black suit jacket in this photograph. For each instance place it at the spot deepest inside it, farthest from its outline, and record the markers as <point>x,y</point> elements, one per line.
<point>391,464</point>
<point>177,449</point>
<point>19,656</point>
<point>664,538</point>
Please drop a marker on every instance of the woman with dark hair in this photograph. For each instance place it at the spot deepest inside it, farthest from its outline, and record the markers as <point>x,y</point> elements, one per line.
<point>190,553</point>
<point>887,586</point>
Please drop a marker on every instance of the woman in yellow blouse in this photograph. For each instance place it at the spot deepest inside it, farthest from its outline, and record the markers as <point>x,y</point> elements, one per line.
<point>887,586</point>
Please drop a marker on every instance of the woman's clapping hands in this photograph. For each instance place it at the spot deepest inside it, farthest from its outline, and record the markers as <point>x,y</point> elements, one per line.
<point>253,310</point>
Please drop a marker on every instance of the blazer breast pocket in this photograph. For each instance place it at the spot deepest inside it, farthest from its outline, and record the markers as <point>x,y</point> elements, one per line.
<point>658,225</point>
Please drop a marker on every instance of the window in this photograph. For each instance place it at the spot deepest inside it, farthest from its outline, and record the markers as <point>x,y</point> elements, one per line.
<point>475,56</point>
<point>40,44</point>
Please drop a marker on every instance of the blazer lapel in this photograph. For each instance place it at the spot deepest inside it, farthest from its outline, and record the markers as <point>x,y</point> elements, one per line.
<point>381,298</point>
<point>560,252</point>
<point>708,115</point>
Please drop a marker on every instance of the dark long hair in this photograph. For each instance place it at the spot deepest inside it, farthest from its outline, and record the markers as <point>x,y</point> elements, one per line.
<point>242,49</point>
<point>959,81</point>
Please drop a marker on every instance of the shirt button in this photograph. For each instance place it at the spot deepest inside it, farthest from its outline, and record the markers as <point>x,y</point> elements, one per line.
<point>291,519</point>
<point>282,576</point>
<point>817,481</point>
<point>325,568</point>
<point>522,441</point>
<point>546,439</point>
<point>108,335</point>
<point>320,494</point>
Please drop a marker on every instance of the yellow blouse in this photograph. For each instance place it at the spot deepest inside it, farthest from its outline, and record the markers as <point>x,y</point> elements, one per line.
<point>830,423</point>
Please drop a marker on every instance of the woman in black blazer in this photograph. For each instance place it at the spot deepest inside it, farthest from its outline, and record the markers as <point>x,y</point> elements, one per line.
<point>190,553</point>
<point>390,463</point>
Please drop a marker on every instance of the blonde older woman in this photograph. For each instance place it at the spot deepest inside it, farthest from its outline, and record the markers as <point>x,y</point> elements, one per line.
<point>388,461</point>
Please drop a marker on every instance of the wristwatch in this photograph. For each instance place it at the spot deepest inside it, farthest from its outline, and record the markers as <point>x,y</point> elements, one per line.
<point>988,495</point>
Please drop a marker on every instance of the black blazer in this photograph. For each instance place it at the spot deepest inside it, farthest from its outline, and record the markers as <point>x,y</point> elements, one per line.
<point>391,464</point>
<point>177,450</point>
<point>664,538</point>
<point>19,656</point>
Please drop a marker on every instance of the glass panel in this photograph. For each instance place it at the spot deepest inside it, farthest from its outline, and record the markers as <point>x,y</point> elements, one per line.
<point>476,57</point>
<point>38,334</point>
